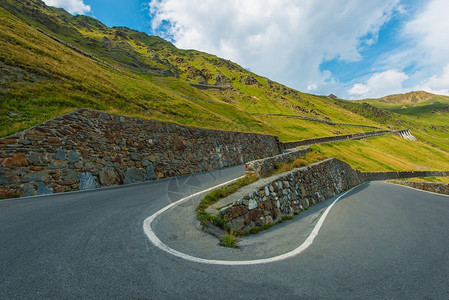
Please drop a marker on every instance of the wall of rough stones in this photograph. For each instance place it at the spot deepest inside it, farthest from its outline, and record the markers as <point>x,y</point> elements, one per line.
<point>322,121</point>
<point>435,187</point>
<point>268,200</point>
<point>373,176</point>
<point>337,138</point>
<point>262,166</point>
<point>85,149</point>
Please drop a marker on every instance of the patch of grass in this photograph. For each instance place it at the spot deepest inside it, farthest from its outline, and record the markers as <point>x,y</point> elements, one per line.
<point>257,229</point>
<point>218,194</point>
<point>230,240</point>
<point>427,179</point>
<point>386,153</point>
<point>225,191</point>
<point>299,162</point>
<point>204,217</point>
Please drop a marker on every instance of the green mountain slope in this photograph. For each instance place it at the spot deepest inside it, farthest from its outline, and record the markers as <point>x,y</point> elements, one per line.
<point>52,62</point>
<point>425,113</point>
<point>81,62</point>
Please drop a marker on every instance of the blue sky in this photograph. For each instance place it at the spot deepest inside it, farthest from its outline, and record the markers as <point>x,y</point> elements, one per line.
<point>354,49</point>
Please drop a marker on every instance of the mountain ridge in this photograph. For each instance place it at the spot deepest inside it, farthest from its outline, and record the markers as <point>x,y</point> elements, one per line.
<point>413,97</point>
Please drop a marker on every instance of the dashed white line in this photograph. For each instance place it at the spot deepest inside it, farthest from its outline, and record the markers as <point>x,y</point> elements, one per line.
<point>158,243</point>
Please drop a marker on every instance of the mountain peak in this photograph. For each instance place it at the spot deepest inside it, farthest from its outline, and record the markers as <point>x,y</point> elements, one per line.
<point>413,97</point>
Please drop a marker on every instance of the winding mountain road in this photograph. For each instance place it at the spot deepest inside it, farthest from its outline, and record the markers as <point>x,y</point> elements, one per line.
<point>379,241</point>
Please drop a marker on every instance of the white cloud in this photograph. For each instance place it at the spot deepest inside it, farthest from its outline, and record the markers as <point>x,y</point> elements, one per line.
<point>424,51</point>
<point>427,32</point>
<point>72,6</point>
<point>436,84</point>
<point>286,40</point>
<point>380,84</point>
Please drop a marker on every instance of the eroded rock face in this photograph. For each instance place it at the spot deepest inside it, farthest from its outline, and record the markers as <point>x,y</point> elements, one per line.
<point>221,79</point>
<point>249,80</point>
<point>53,156</point>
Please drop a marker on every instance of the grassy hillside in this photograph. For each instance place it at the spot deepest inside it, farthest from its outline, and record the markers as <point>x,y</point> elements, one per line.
<point>53,62</point>
<point>387,153</point>
<point>426,114</point>
<point>128,72</point>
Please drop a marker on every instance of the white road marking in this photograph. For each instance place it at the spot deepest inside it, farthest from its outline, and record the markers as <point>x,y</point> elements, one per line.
<point>158,243</point>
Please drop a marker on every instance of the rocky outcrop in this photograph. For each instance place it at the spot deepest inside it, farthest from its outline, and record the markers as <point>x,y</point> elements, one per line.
<point>222,80</point>
<point>87,149</point>
<point>249,80</point>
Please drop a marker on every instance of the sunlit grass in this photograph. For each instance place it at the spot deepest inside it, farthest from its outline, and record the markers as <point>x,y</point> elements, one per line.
<point>386,153</point>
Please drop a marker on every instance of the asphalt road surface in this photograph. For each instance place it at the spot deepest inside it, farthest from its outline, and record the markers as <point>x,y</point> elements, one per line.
<point>378,241</point>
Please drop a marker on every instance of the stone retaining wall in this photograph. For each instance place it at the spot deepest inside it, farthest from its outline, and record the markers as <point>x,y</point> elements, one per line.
<point>85,149</point>
<point>322,121</point>
<point>436,187</point>
<point>373,176</point>
<point>336,138</point>
<point>262,166</point>
<point>268,200</point>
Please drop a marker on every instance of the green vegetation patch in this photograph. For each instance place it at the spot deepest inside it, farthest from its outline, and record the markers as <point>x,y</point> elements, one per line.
<point>303,160</point>
<point>386,153</point>
<point>218,194</point>
<point>230,240</point>
<point>427,179</point>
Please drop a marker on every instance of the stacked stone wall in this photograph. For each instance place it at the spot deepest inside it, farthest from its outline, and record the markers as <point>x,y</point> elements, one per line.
<point>285,194</point>
<point>435,187</point>
<point>330,139</point>
<point>269,200</point>
<point>373,176</point>
<point>322,121</point>
<point>86,149</point>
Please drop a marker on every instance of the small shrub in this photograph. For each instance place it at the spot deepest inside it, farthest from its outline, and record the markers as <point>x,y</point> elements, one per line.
<point>216,195</point>
<point>230,240</point>
<point>255,230</point>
